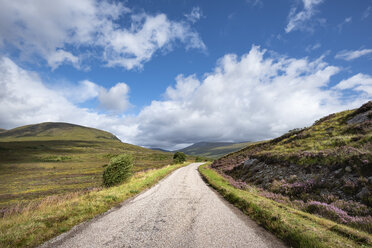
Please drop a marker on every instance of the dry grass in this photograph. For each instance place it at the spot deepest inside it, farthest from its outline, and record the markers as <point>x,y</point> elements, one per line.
<point>36,222</point>
<point>34,169</point>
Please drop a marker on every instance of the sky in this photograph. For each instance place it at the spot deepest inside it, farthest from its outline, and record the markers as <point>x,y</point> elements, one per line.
<point>168,74</point>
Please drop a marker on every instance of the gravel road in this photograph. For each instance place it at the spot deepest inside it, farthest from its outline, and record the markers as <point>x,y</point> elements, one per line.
<point>180,211</point>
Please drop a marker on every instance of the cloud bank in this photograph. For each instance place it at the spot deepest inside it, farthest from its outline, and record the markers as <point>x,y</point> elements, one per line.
<point>250,97</point>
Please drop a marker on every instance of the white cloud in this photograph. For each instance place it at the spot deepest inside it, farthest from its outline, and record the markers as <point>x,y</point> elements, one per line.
<point>299,20</point>
<point>314,47</point>
<point>77,93</point>
<point>255,3</point>
<point>58,57</point>
<point>24,99</point>
<point>55,31</point>
<point>352,54</point>
<point>115,99</point>
<point>252,97</point>
<point>342,24</point>
<point>132,47</point>
<point>195,15</point>
<point>359,82</point>
<point>366,13</point>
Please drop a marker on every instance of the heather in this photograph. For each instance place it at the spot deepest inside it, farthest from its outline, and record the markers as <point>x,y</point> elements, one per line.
<point>349,213</point>
<point>287,218</point>
<point>324,169</point>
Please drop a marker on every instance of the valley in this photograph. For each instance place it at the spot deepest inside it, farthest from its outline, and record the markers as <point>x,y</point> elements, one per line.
<point>56,158</point>
<point>317,178</point>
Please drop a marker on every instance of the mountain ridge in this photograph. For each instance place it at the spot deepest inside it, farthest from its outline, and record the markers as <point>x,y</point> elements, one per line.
<point>213,149</point>
<point>55,130</point>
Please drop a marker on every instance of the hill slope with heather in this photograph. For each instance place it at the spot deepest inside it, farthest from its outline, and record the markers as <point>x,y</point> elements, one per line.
<point>52,158</point>
<point>213,149</point>
<point>325,168</point>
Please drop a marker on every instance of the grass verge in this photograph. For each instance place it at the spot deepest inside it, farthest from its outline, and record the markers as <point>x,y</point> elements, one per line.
<point>59,214</point>
<point>296,228</point>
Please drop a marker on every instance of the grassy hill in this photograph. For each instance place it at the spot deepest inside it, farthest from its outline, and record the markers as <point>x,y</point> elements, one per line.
<point>324,169</point>
<point>2,130</point>
<point>52,158</point>
<point>213,149</point>
<point>55,131</point>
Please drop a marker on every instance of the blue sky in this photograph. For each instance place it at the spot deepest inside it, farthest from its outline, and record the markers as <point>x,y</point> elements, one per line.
<point>167,74</point>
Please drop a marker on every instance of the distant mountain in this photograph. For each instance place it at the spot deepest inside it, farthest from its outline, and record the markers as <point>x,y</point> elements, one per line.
<point>159,149</point>
<point>2,130</point>
<point>213,149</point>
<point>55,131</point>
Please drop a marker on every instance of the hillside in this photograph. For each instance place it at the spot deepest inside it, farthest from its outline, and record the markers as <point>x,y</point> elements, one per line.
<point>55,131</point>
<point>2,130</point>
<point>325,168</point>
<point>51,158</point>
<point>213,149</point>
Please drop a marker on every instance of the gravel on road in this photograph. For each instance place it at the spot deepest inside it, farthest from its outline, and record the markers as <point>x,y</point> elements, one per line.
<point>180,211</point>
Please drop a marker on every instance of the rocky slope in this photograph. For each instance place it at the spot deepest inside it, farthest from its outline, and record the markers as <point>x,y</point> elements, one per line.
<point>330,161</point>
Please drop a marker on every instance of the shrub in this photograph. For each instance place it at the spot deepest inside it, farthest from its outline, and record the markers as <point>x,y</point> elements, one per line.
<point>179,157</point>
<point>352,208</point>
<point>334,213</point>
<point>118,170</point>
<point>200,159</point>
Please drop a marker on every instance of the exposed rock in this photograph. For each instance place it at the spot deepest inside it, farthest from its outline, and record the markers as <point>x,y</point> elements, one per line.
<point>348,169</point>
<point>338,173</point>
<point>292,178</point>
<point>364,193</point>
<point>250,162</point>
<point>360,117</point>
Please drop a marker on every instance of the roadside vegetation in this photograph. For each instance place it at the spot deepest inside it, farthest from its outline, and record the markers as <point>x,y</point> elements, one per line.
<point>179,157</point>
<point>297,228</point>
<point>39,221</point>
<point>118,170</point>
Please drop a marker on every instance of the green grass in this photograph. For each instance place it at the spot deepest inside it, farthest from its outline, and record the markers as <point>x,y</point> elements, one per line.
<point>55,158</point>
<point>34,169</point>
<point>57,214</point>
<point>297,228</point>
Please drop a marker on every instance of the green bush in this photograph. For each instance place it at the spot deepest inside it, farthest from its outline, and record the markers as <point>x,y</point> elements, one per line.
<point>118,170</point>
<point>179,157</point>
<point>199,159</point>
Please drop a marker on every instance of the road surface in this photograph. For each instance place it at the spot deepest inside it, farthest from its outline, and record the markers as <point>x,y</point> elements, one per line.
<point>180,211</point>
